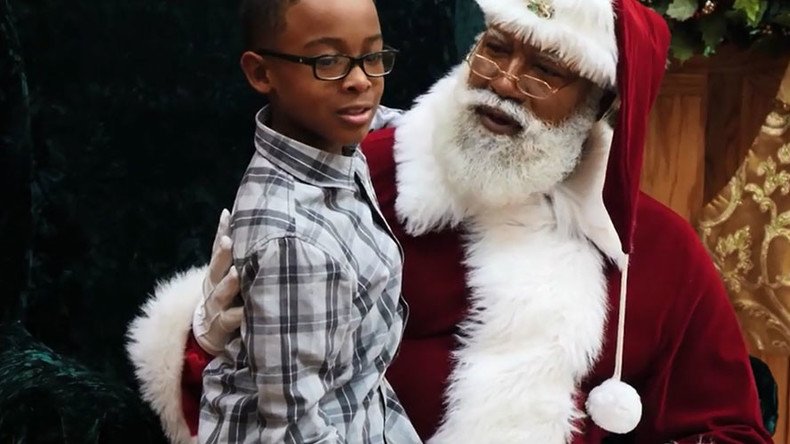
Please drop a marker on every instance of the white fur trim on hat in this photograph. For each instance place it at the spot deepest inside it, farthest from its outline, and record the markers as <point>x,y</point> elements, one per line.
<point>156,348</point>
<point>581,32</point>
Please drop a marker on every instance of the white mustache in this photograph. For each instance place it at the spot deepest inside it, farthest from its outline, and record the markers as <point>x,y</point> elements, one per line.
<point>475,97</point>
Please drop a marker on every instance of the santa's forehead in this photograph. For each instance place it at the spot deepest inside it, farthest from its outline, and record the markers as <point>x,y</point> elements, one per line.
<point>497,31</point>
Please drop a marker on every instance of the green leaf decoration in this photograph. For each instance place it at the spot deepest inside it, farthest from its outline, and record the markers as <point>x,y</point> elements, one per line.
<point>700,27</point>
<point>682,9</point>
<point>713,29</point>
<point>753,9</point>
<point>782,19</point>
<point>682,48</point>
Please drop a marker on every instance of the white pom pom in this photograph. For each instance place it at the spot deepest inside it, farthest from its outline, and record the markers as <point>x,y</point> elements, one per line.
<point>615,406</point>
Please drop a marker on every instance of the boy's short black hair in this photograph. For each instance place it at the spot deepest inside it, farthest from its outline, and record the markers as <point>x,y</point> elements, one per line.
<point>261,20</point>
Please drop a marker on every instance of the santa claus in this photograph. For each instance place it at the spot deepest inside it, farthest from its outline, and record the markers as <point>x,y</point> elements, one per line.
<point>550,301</point>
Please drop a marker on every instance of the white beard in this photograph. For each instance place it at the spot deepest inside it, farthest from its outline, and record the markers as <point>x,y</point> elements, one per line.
<point>486,170</point>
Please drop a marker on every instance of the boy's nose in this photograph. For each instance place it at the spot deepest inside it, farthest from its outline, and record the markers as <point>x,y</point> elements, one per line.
<point>357,80</point>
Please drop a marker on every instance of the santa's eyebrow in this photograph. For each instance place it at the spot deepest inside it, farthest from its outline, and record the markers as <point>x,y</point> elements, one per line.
<point>493,32</point>
<point>550,56</point>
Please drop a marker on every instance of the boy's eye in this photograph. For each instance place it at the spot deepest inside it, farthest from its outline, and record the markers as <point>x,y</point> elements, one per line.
<point>373,58</point>
<point>327,61</point>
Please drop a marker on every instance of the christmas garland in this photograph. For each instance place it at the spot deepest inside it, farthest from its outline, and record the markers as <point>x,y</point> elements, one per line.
<point>701,26</point>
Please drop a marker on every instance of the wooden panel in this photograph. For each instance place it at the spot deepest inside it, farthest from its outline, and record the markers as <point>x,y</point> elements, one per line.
<point>725,150</point>
<point>674,167</point>
<point>757,99</point>
<point>742,87</point>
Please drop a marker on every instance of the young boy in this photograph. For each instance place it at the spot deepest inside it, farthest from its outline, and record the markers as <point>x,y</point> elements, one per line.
<point>319,267</point>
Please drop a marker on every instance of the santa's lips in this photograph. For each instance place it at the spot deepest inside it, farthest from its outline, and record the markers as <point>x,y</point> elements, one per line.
<point>497,121</point>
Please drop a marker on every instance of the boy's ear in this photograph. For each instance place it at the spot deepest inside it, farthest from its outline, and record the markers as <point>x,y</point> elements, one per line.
<point>256,71</point>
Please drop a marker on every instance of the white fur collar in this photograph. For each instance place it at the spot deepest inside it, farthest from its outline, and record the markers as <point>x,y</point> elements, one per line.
<point>535,329</point>
<point>424,202</point>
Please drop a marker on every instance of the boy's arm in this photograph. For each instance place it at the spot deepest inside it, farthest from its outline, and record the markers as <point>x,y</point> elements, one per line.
<point>297,308</point>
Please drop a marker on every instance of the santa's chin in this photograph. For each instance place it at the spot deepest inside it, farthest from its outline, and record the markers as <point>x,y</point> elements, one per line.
<point>498,164</point>
<point>501,155</point>
<point>491,168</point>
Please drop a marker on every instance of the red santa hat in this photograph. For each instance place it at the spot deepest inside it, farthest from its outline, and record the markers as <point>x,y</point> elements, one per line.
<point>620,45</point>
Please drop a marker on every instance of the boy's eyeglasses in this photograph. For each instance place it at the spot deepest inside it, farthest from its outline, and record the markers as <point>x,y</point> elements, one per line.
<point>336,67</point>
<point>530,86</point>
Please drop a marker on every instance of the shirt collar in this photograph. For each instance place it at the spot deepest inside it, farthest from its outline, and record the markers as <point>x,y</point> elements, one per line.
<point>302,161</point>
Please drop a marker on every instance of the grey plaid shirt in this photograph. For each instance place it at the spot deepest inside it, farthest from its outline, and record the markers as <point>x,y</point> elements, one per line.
<point>323,318</point>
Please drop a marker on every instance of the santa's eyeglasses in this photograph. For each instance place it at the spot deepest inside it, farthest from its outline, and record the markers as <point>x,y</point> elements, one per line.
<point>531,85</point>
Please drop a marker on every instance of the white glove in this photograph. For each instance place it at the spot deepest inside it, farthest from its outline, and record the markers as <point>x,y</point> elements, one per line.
<point>214,319</point>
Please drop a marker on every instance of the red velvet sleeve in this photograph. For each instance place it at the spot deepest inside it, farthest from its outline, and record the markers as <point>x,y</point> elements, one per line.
<point>195,360</point>
<point>703,389</point>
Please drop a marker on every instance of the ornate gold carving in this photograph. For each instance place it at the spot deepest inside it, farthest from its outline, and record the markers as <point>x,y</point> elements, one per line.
<point>784,154</point>
<point>776,124</point>
<point>739,243</point>
<point>747,230</point>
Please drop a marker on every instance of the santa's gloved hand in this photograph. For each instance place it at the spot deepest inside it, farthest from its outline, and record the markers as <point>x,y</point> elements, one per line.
<point>215,319</point>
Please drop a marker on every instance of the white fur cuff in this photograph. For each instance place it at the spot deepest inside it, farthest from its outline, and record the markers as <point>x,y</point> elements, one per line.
<point>156,348</point>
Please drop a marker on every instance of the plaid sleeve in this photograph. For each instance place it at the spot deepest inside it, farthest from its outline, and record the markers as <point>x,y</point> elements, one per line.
<point>297,310</point>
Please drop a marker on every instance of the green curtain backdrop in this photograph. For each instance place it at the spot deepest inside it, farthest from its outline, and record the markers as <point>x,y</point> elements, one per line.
<point>468,22</point>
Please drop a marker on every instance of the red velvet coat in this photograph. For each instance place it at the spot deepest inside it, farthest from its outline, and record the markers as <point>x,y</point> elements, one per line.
<point>683,352</point>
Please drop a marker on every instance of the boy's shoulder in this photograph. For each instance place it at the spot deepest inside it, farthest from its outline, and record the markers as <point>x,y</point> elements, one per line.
<point>264,206</point>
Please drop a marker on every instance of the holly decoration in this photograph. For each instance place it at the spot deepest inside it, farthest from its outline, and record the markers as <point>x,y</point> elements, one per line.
<point>701,26</point>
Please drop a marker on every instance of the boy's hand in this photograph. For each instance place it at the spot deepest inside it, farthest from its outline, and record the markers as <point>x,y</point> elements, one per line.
<point>214,319</point>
